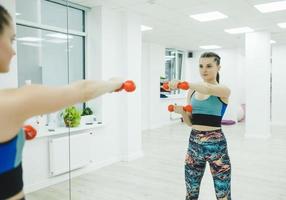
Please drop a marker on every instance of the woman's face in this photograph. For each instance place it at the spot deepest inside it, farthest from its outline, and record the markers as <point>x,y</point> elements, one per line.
<point>6,49</point>
<point>208,69</point>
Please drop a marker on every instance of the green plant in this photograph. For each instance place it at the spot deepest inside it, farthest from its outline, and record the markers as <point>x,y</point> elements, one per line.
<point>86,111</point>
<point>71,116</point>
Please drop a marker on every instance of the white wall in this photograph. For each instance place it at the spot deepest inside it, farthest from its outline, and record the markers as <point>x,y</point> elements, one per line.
<point>130,112</point>
<point>257,123</point>
<point>107,41</point>
<point>154,109</point>
<point>145,71</point>
<point>278,85</point>
<point>119,54</point>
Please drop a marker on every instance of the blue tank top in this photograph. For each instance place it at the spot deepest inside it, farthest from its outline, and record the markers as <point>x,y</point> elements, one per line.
<point>11,152</point>
<point>208,112</point>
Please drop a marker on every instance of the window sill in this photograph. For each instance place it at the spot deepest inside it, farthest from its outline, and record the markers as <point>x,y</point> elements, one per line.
<point>47,131</point>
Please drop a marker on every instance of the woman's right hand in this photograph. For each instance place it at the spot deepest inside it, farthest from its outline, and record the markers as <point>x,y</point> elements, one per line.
<point>118,82</point>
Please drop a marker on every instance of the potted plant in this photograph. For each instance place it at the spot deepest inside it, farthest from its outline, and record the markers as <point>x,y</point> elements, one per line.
<point>87,116</point>
<point>71,116</point>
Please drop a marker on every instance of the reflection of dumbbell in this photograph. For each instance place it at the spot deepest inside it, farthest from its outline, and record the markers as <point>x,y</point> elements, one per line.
<point>128,86</point>
<point>187,108</point>
<point>181,85</point>
<point>30,132</point>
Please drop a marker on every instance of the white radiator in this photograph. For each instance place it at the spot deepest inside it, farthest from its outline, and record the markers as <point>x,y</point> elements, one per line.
<point>59,153</point>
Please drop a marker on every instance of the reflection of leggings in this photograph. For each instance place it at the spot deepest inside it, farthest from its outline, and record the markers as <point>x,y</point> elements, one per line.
<point>207,146</point>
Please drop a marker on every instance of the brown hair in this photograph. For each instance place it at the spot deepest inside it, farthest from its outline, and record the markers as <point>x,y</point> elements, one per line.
<point>216,59</point>
<point>5,18</point>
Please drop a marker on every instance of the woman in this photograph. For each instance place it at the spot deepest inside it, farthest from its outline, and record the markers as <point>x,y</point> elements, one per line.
<point>17,105</point>
<point>207,142</point>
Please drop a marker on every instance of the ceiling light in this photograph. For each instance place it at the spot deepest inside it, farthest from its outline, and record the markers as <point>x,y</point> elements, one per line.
<point>282,25</point>
<point>210,47</point>
<point>209,16</point>
<point>239,30</point>
<point>145,28</point>
<point>271,7</point>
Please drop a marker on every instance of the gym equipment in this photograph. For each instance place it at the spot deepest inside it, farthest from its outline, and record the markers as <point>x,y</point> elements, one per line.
<point>187,108</point>
<point>181,85</point>
<point>128,86</point>
<point>30,132</point>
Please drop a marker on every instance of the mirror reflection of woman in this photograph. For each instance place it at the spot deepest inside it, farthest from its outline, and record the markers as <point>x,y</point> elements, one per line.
<point>19,104</point>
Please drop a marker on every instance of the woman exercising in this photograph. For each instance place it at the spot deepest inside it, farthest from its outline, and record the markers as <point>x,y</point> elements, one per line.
<point>207,142</point>
<point>17,105</point>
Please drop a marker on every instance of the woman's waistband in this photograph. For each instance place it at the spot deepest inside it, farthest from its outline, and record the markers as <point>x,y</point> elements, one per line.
<point>207,136</point>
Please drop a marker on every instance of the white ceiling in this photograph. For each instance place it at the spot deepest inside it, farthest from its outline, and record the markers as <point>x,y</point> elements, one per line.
<point>172,25</point>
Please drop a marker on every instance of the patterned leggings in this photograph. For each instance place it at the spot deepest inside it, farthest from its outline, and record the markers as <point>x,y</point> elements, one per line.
<point>211,147</point>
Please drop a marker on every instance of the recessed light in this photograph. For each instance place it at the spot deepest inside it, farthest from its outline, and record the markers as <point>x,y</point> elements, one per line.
<point>209,16</point>
<point>146,28</point>
<point>272,41</point>
<point>239,30</point>
<point>210,47</point>
<point>271,7</point>
<point>282,25</point>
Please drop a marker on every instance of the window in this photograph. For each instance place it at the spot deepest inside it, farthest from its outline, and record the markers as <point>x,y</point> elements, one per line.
<point>49,51</point>
<point>173,69</point>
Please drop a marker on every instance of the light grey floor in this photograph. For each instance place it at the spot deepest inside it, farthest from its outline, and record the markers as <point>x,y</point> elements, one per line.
<point>258,170</point>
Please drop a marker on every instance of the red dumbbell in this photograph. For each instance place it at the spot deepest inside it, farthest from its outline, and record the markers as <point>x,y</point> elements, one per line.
<point>181,85</point>
<point>128,86</point>
<point>30,132</point>
<point>187,108</point>
<point>171,108</point>
<point>166,86</point>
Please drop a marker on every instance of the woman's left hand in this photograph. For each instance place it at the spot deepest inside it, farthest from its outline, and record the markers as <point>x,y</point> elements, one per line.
<point>173,85</point>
